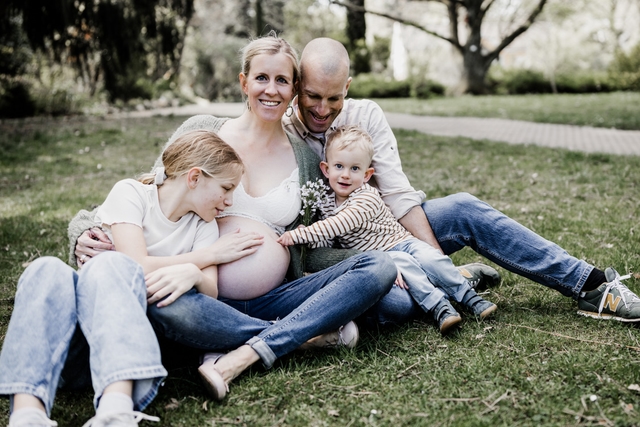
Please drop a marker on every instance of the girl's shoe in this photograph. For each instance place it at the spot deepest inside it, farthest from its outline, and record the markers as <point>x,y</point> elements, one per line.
<point>446,316</point>
<point>119,419</point>
<point>31,417</point>
<point>478,306</point>
<point>211,378</point>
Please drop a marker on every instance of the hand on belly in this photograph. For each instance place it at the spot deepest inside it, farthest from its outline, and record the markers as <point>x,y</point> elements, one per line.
<point>258,273</point>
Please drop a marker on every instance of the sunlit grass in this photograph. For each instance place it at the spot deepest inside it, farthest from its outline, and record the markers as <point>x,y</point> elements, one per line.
<point>620,110</point>
<point>537,363</point>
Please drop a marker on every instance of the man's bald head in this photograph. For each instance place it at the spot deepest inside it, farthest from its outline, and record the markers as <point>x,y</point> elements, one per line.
<point>324,83</point>
<point>327,56</point>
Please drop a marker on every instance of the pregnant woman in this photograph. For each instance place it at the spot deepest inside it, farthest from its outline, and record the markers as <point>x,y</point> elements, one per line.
<point>258,312</point>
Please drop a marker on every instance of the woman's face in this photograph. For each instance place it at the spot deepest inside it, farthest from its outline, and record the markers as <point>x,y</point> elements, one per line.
<point>269,85</point>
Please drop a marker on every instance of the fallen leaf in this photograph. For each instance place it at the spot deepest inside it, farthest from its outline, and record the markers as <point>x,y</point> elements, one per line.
<point>334,413</point>
<point>173,405</point>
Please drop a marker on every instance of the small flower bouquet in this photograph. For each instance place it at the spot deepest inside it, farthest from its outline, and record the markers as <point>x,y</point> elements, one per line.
<point>313,195</point>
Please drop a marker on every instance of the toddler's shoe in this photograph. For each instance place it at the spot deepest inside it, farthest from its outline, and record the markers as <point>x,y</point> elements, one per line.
<point>478,306</point>
<point>611,300</point>
<point>446,316</point>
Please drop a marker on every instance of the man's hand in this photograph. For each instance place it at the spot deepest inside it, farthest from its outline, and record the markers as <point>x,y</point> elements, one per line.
<point>91,243</point>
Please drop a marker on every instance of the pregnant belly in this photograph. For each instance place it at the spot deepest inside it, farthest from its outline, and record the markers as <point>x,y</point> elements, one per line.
<point>258,273</point>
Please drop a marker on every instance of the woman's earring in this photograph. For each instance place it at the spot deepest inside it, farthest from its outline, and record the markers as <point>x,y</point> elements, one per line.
<point>289,111</point>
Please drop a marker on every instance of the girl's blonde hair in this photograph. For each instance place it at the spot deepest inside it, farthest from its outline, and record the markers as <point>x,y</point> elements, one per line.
<point>270,44</point>
<point>199,148</point>
<point>349,137</point>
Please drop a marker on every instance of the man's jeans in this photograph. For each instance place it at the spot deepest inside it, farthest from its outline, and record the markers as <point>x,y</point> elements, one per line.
<point>92,319</point>
<point>461,220</point>
<point>286,317</point>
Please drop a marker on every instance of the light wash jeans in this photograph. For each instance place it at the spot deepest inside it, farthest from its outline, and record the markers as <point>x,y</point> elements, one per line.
<point>461,220</point>
<point>286,317</point>
<point>430,275</point>
<point>66,322</point>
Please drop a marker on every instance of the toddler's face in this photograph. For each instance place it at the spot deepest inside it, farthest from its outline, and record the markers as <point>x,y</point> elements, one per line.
<point>347,170</point>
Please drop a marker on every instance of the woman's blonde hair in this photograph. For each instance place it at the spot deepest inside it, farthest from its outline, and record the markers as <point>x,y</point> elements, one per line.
<point>350,137</point>
<point>199,148</point>
<point>270,44</point>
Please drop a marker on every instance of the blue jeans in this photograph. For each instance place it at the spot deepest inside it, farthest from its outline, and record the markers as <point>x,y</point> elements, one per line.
<point>286,317</point>
<point>461,220</point>
<point>429,274</point>
<point>66,322</point>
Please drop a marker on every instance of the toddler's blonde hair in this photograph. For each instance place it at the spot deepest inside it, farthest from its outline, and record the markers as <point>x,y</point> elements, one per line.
<point>350,137</point>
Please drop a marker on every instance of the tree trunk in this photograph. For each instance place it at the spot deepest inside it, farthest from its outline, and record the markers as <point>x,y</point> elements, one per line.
<point>474,72</point>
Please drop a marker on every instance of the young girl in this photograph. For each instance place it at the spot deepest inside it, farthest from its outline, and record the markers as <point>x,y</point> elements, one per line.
<point>66,322</point>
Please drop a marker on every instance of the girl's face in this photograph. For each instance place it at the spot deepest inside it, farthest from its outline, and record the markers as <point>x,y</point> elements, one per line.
<point>269,85</point>
<point>214,195</point>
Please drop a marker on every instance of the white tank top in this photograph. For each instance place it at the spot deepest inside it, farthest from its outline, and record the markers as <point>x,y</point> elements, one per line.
<point>277,209</point>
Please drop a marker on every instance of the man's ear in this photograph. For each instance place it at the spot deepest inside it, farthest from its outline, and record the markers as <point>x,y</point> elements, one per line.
<point>368,174</point>
<point>346,88</point>
<point>193,176</point>
<point>324,167</point>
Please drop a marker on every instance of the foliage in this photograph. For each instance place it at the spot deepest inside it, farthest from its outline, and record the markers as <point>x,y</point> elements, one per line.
<point>376,86</point>
<point>526,81</point>
<point>425,89</point>
<point>625,69</point>
<point>121,42</point>
<point>536,364</point>
<point>619,110</point>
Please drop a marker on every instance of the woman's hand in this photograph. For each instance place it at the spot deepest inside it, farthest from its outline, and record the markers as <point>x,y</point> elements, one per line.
<point>173,281</point>
<point>236,245</point>
<point>91,243</point>
<point>400,281</point>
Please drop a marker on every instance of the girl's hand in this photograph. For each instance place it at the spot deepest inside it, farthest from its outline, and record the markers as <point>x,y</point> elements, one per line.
<point>91,243</point>
<point>400,281</point>
<point>173,281</point>
<point>236,245</point>
<point>285,239</point>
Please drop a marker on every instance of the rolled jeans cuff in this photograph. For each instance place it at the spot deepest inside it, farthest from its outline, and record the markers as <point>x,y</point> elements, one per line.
<point>264,351</point>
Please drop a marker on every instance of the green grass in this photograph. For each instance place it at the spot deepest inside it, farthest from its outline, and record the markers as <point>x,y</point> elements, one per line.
<point>537,363</point>
<point>620,110</point>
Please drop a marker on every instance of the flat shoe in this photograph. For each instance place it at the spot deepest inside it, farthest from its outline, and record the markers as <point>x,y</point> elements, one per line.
<point>213,381</point>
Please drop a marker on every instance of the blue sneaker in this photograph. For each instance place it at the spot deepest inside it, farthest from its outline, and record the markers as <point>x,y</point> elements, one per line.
<point>478,306</point>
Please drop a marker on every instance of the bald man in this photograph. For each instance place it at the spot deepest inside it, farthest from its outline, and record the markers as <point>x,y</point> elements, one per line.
<point>448,223</point>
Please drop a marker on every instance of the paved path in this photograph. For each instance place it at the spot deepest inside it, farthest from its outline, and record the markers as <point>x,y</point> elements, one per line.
<point>578,138</point>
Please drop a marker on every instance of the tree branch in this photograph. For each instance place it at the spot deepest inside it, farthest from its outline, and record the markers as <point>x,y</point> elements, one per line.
<point>356,8</point>
<point>511,37</point>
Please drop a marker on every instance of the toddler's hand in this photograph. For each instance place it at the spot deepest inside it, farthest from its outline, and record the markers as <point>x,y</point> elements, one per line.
<point>285,239</point>
<point>400,281</point>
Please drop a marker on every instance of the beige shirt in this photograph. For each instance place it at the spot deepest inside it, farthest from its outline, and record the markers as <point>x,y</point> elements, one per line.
<point>388,178</point>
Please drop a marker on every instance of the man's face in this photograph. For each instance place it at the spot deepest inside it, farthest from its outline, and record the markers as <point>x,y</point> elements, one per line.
<point>321,98</point>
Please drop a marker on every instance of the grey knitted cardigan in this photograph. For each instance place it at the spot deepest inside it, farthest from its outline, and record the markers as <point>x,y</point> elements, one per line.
<point>315,260</point>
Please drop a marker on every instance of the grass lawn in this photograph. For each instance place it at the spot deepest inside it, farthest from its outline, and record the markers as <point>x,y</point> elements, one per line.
<point>537,363</point>
<point>620,110</point>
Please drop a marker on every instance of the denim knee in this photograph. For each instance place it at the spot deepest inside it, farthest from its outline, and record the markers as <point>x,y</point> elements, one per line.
<point>383,270</point>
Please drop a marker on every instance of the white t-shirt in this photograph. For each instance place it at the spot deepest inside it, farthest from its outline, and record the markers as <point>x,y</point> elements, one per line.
<point>133,202</point>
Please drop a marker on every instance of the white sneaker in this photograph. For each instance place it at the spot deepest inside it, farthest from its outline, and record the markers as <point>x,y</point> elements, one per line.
<point>346,336</point>
<point>32,418</point>
<point>119,419</point>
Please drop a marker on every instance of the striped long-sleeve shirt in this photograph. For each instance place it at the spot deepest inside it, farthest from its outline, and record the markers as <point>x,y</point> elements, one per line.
<point>362,222</point>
